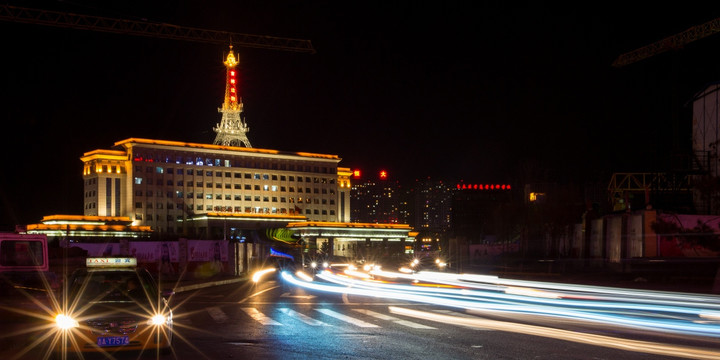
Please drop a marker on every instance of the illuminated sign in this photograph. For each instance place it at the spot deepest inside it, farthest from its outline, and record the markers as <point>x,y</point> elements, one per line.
<point>383,174</point>
<point>356,174</point>
<point>483,186</point>
<point>110,262</point>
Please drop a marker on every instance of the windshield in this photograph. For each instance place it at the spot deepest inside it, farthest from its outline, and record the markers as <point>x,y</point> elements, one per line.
<point>111,286</point>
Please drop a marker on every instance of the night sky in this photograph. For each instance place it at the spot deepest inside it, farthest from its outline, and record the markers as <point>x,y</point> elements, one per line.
<point>447,90</point>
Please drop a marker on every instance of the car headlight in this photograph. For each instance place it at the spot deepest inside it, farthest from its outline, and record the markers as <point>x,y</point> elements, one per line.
<point>158,319</point>
<point>65,322</point>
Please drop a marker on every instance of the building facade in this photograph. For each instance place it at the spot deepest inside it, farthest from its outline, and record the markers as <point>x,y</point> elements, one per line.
<point>165,184</point>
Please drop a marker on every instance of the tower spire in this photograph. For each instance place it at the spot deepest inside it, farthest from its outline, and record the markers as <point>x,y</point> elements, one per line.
<point>232,129</point>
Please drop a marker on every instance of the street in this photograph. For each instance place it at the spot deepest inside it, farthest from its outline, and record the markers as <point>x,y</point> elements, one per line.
<point>274,319</point>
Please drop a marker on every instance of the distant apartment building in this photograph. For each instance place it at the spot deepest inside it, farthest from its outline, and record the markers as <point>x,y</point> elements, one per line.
<point>476,211</point>
<point>379,202</point>
<point>431,210</point>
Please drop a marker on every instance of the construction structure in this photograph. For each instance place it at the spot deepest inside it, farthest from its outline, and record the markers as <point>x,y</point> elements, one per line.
<point>674,42</point>
<point>150,29</point>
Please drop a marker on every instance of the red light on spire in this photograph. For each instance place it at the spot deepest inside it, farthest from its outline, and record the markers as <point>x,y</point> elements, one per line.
<point>356,173</point>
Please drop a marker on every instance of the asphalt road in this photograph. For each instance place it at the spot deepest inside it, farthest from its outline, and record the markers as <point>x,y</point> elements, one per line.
<point>275,320</point>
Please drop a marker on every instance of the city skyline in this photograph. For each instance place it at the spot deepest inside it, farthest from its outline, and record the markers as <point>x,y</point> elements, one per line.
<point>483,93</point>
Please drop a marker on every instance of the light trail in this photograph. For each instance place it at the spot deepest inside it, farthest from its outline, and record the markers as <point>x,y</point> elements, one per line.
<point>668,313</point>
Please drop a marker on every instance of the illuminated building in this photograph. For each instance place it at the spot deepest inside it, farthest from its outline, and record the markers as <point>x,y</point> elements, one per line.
<point>165,184</point>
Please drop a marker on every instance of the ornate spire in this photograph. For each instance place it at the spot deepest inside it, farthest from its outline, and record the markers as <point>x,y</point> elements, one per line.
<point>232,129</point>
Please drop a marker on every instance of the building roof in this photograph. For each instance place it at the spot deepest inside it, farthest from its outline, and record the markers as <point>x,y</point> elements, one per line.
<point>128,143</point>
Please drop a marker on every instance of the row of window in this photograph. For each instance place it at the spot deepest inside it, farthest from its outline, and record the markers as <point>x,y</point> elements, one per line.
<point>216,196</point>
<point>256,187</point>
<point>237,163</point>
<point>236,175</point>
<point>315,201</point>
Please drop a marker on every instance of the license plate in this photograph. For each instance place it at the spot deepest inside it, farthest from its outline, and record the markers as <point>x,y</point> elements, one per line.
<point>113,340</point>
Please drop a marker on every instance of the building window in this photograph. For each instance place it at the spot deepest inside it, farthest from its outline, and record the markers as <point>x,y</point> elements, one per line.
<point>138,205</point>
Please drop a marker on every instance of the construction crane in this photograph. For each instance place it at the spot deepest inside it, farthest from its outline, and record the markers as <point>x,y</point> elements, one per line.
<point>150,29</point>
<point>674,42</point>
